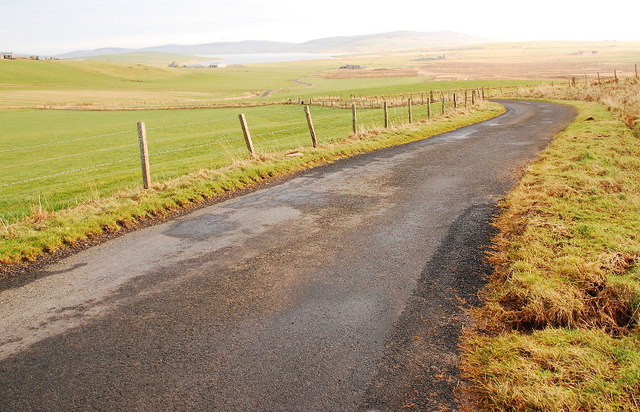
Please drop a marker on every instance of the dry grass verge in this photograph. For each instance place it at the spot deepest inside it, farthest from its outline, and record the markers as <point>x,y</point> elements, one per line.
<point>558,329</point>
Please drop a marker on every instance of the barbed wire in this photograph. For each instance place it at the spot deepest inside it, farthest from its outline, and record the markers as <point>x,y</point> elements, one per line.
<point>68,156</point>
<point>169,126</point>
<point>279,131</point>
<point>15,149</point>
<point>182,149</point>
<point>68,172</point>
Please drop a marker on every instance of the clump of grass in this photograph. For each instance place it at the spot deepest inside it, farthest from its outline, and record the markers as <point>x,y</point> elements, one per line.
<point>48,231</point>
<point>563,305</point>
<point>556,370</point>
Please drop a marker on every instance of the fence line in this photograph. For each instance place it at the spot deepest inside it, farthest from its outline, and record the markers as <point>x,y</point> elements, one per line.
<point>324,119</point>
<point>326,116</point>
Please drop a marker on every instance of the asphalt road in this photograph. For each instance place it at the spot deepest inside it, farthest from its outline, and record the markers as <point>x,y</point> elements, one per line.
<point>340,289</point>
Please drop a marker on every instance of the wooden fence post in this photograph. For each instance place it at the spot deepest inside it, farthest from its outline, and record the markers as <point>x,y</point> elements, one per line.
<point>615,75</point>
<point>483,96</point>
<point>429,109</point>
<point>386,114</point>
<point>473,97</point>
<point>247,134</point>
<point>636,67</point>
<point>455,101</point>
<point>354,116</point>
<point>466,98</point>
<point>442,100</point>
<point>312,130</point>
<point>144,155</point>
<point>410,108</point>
<point>598,77</point>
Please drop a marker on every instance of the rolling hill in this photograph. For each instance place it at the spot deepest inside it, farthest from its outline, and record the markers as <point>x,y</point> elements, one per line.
<point>381,42</point>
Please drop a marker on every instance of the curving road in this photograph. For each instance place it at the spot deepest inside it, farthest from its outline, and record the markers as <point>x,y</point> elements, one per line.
<point>340,289</point>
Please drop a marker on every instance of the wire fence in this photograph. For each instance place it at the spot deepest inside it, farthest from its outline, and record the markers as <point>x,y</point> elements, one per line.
<point>61,171</point>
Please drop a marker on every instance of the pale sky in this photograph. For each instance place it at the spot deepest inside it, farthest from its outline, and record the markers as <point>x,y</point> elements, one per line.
<point>57,26</point>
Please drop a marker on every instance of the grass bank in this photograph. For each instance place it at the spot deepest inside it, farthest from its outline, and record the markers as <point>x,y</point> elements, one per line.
<point>48,231</point>
<point>558,329</point>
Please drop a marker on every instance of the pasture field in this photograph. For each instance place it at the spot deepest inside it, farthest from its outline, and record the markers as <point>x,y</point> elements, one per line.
<point>55,158</point>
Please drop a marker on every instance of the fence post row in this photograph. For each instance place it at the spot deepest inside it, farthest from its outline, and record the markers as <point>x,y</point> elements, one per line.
<point>312,130</point>
<point>479,93</point>
<point>144,155</point>
<point>247,134</point>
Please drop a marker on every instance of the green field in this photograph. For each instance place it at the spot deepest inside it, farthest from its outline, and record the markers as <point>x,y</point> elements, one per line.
<point>54,158</point>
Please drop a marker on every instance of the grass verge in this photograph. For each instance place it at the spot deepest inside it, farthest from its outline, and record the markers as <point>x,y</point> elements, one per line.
<point>558,329</point>
<point>47,232</point>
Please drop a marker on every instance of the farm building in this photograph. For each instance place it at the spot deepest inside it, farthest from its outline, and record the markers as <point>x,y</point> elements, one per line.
<point>352,67</point>
<point>6,56</point>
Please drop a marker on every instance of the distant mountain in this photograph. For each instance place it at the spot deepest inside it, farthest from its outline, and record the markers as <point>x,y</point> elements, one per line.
<point>382,42</point>
<point>394,41</point>
<point>97,52</point>
<point>247,46</point>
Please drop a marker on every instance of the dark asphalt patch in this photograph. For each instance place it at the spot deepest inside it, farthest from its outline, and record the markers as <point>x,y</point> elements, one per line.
<point>419,370</point>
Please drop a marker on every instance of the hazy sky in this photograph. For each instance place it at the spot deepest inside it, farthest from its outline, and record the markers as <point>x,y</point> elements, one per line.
<point>56,26</point>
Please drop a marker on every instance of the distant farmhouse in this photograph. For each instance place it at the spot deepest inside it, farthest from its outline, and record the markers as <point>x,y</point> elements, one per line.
<point>7,56</point>
<point>430,58</point>
<point>352,67</point>
<point>200,65</point>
